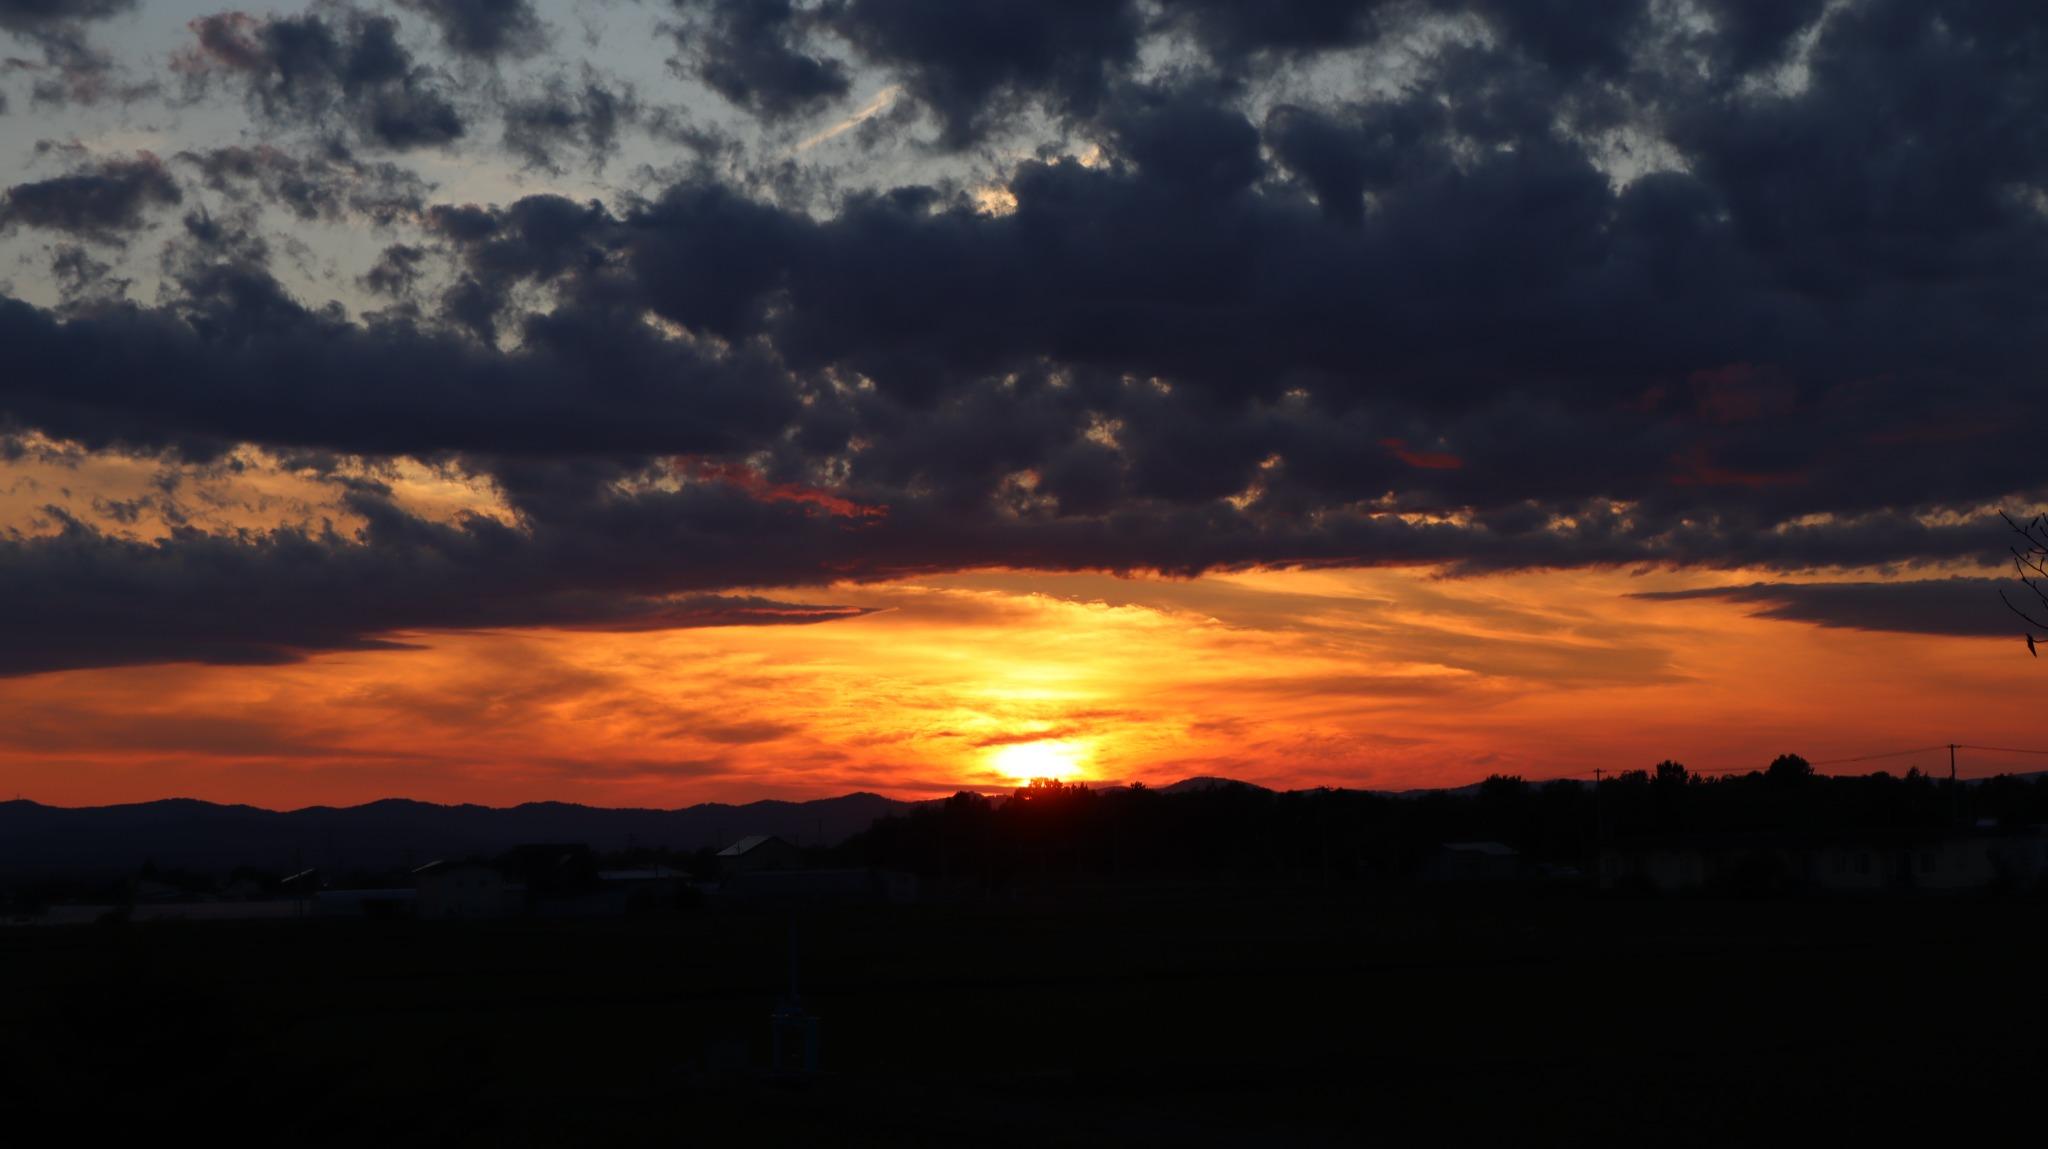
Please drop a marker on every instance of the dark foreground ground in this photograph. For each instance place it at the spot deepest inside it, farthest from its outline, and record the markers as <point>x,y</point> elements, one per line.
<point>1246,1018</point>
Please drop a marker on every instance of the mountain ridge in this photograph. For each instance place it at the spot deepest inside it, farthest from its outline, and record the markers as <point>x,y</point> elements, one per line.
<point>197,834</point>
<point>193,833</point>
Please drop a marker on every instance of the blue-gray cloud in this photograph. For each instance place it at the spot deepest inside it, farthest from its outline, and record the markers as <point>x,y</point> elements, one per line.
<point>486,29</point>
<point>1596,288</point>
<point>333,71</point>
<point>105,200</point>
<point>1958,606</point>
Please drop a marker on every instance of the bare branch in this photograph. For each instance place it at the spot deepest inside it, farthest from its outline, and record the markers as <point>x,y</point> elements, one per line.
<point>2030,564</point>
<point>2030,619</point>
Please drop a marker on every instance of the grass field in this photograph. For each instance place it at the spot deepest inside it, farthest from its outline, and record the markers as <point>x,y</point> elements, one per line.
<point>1225,1017</point>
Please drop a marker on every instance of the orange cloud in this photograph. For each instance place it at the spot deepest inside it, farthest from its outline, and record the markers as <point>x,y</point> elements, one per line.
<point>1388,679</point>
<point>1696,468</point>
<point>747,479</point>
<point>1424,460</point>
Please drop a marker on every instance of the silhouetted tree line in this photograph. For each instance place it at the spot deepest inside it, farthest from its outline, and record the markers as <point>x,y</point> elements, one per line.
<point>1229,830</point>
<point>1051,829</point>
<point>549,871</point>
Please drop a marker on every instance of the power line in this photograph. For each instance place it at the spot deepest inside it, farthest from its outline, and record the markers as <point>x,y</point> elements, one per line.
<point>1938,747</point>
<point>1875,757</point>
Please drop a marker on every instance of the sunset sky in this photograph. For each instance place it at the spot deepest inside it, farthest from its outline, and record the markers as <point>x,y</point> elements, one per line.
<point>649,402</point>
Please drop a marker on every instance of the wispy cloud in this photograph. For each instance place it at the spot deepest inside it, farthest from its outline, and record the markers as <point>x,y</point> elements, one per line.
<point>882,102</point>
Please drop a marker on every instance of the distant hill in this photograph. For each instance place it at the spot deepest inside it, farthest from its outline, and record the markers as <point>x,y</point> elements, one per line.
<point>190,834</point>
<point>1205,782</point>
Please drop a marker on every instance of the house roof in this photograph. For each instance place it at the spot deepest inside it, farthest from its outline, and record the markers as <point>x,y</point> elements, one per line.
<point>442,868</point>
<point>748,844</point>
<point>1491,849</point>
<point>1823,837</point>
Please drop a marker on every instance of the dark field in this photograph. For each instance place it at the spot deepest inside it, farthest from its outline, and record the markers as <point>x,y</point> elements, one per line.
<point>1252,1017</point>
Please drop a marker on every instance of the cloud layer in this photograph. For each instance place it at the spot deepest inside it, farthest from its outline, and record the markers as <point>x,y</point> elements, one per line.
<point>1480,285</point>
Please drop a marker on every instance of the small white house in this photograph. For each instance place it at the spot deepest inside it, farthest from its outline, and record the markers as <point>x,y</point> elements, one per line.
<point>1870,862</point>
<point>1461,862</point>
<point>1964,861</point>
<point>466,890</point>
<point>759,852</point>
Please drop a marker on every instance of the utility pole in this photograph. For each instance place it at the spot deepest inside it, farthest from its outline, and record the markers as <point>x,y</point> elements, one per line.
<point>1599,817</point>
<point>794,1032</point>
<point>1955,795</point>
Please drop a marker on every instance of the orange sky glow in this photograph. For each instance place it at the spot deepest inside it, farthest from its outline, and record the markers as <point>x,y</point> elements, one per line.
<point>721,401</point>
<point>1387,679</point>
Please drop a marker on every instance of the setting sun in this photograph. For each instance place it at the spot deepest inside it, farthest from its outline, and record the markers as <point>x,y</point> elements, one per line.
<point>1023,761</point>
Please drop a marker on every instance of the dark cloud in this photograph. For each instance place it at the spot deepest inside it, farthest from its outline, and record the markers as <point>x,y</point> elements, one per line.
<point>80,599</point>
<point>585,116</point>
<point>34,15</point>
<point>81,276</point>
<point>545,240</point>
<point>1958,606</point>
<point>1589,38</point>
<point>751,52</point>
<point>241,360</point>
<point>72,69</point>
<point>973,62</point>
<point>310,70</point>
<point>397,271</point>
<point>1237,33</point>
<point>324,186</point>
<point>487,29</point>
<point>1583,37</point>
<point>1753,33</point>
<point>1558,335</point>
<point>106,200</point>
<point>1595,290</point>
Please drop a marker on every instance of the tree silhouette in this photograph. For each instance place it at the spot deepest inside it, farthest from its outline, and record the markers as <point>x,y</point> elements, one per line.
<point>1059,831</point>
<point>2030,563</point>
<point>1789,768</point>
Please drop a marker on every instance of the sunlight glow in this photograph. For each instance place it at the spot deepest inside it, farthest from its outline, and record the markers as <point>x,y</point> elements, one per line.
<point>1383,679</point>
<point>1021,762</point>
